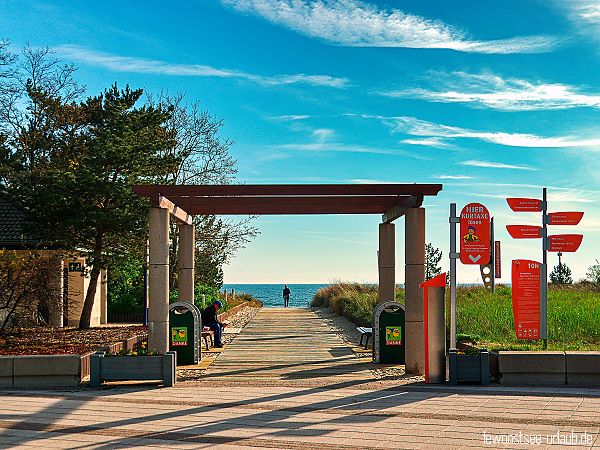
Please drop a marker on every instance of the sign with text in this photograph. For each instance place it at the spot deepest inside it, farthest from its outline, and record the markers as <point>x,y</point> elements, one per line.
<point>524,231</point>
<point>393,335</point>
<point>179,336</point>
<point>524,204</point>
<point>497,260</point>
<point>475,234</point>
<point>565,242</point>
<point>526,298</point>
<point>564,218</point>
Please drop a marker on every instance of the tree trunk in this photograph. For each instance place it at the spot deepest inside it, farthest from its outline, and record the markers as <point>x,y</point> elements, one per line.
<point>88,304</point>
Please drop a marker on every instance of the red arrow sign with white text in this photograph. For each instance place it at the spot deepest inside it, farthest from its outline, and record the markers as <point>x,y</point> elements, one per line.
<point>565,242</point>
<point>474,234</point>
<point>564,218</point>
<point>524,231</point>
<point>524,204</point>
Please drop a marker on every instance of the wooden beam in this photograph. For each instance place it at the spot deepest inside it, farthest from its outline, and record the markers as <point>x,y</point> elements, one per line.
<point>414,201</point>
<point>287,205</point>
<point>287,190</point>
<point>174,210</point>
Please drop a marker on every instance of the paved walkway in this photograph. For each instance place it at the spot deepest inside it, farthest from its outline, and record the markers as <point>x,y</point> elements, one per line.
<point>295,385</point>
<point>281,344</point>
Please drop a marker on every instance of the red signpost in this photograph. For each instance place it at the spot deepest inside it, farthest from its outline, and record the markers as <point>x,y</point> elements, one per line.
<point>475,234</point>
<point>526,298</point>
<point>524,231</point>
<point>529,278</point>
<point>564,242</point>
<point>564,218</point>
<point>524,204</point>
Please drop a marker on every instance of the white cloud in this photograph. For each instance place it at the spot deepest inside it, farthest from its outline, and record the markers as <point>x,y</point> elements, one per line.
<point>119,63</point>
<point>355,23</point>
<point>493,91</point>
<point>323,134</point>
<point>443,133</point>
<point>291,117</point>
<point>495,165</point>
<point>584,13</point>
<point>429,142</point>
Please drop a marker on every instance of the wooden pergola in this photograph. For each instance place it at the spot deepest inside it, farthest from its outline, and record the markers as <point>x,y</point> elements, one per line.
<point>390,200</point>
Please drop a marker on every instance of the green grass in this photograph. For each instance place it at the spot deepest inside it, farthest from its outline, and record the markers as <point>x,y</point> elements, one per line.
<point>486,318</point>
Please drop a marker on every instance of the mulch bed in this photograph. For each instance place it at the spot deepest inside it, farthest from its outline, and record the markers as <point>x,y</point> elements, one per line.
<point>56,341</point>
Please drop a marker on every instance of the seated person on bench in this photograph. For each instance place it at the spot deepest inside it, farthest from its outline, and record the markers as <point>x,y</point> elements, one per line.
<point>209,319</point>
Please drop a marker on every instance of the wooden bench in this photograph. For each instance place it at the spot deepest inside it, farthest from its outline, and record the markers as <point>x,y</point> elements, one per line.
<point>368,332</point>
<point>208,334</point>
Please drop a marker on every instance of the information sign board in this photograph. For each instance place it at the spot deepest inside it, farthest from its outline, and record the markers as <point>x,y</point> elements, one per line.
<point>565,242</point>
<point>524,231</point>
<point>475,234</point>
<point>526,298</point>
<point>524,204</point>
<point>565,218</point>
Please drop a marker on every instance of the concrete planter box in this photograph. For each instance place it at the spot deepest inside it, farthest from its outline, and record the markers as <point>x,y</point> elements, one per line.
<point>583,368</point>
<point>126,368</point>
<point>469,368</point>
<point>532,367</point>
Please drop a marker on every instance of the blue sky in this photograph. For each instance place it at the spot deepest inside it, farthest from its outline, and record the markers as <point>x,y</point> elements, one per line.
<point>491,99</point>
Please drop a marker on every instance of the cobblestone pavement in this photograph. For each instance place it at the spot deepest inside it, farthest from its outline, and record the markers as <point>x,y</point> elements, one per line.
<point>325,398</point>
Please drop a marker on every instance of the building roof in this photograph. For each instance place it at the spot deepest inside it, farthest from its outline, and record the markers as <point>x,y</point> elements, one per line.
<point>12,224</point>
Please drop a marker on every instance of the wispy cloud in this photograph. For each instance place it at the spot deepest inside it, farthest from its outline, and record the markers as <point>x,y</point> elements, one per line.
<point>444,133</point>
<point>584,13</point>
<point>454,177</point>
<point>495,165</point>
<point>358,24</point>
<point>429,142</point>
<point>492,91</point>
<point>291,117</point>
<point>119,63</point>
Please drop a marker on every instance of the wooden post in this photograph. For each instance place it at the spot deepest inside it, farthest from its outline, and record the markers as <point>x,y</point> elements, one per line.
<point>158,308</point>
<point>414,275</point>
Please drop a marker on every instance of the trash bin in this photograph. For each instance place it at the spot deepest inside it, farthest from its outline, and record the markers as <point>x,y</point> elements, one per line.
<point>388,333</point>
<point>184,322</point>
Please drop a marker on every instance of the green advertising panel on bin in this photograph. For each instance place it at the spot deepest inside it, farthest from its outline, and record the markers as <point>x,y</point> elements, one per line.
<point>184,335</point>
<point>389,333</point>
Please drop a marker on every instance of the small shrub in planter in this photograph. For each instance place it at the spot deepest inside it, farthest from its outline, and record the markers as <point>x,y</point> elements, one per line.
<point>138,365</point>
<point>472,366</point>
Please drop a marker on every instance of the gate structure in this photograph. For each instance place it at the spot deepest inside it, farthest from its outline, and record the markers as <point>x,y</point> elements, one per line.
<point>390,200</point>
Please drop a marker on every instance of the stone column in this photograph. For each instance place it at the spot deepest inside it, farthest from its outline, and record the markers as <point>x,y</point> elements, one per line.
<point>158,308</point>
<point>414,273</point>
<point>56,266</point>
<point>103,297</point>
<point>387,262</point>
<point>185,263</point>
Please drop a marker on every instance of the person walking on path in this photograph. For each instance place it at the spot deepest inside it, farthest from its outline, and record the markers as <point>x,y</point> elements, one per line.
<point>210,320</point>
<point>286,296</point>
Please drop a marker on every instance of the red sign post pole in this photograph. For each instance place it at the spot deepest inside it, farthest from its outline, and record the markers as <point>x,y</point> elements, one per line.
<point>522,290</point>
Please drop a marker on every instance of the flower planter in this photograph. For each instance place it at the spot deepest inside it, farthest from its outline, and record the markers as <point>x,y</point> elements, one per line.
<point>469,368</point>
<point>126,368</point>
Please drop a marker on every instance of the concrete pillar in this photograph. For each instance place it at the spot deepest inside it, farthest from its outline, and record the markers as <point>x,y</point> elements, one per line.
<point>414,272</point>
<point>158,302</point>
<point>185,263</point>
<point>387,262</point>
<point>56,268</point>
<point>103,296</point>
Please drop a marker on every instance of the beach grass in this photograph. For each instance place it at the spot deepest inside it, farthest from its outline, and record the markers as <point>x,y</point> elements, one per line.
<point>486,318</point>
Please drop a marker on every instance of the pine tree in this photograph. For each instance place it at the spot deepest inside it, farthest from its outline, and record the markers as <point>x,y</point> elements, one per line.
<point>433,256</point>
<point>561,274</point>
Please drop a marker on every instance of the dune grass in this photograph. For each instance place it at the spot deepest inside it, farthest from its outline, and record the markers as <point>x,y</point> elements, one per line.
<point>486,318</point>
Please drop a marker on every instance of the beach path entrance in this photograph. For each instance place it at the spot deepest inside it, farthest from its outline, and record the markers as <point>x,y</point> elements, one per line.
<point>287,344</point>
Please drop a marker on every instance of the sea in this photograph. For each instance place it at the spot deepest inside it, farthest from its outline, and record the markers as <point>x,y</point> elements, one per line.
<point>272,294</point>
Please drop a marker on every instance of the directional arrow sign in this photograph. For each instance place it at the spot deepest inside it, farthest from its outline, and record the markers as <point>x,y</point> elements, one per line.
<point>564,218</point>
<point>565,242</point>
<point>474,234</point>
<point>524,231</point>
<point>524,204</point>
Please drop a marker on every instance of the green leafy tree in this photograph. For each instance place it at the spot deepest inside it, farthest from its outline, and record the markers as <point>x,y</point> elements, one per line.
<point>433,256</point>
<point>89,156</point>
<point>561,274</point>
<point>593,273</point>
